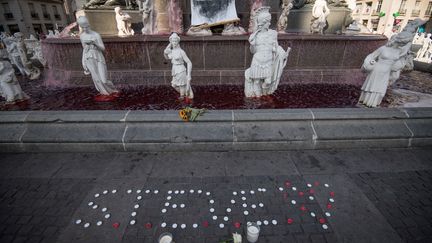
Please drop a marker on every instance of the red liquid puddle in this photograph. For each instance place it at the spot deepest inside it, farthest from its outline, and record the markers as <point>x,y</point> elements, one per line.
<point>165,98</point>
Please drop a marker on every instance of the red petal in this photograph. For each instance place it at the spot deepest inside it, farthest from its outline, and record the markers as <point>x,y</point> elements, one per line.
<point>116,225</point>
<point>329,206</point>
<point>237,225</point>
<point>148,226</point>
<point>301,194</point>
<point>290,221</point>
<point>322,221</point>
<point>332,194</point>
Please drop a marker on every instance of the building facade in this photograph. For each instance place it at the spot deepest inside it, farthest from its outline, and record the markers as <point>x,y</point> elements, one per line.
<point>32,16</point>
<point>388,16</point>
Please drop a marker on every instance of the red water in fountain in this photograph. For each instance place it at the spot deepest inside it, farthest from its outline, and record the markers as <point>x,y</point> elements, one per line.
<point>166,98</point>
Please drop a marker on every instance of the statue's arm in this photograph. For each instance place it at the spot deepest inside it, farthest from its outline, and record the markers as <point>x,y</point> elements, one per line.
<point>327,10</point>
<point>83,62</point>
<point>167,52</point>
<point>189,66</point>
<point>99,43</point>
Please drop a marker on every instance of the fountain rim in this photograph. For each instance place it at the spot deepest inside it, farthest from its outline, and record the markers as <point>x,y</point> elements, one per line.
<point>218,130</point>
<point>281,37</point>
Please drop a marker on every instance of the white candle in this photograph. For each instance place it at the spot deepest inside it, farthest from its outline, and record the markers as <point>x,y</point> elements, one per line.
<point>165,239</point>
<point>252,233</point>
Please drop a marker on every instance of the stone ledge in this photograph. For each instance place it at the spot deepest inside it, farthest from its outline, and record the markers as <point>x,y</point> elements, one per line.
<point>87,131</point>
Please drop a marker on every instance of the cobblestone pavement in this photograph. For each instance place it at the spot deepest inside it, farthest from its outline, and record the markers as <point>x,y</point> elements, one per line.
<point>404,199</point>
<point>296,196</point>
<point>415,81</point>
<point>35,210</point>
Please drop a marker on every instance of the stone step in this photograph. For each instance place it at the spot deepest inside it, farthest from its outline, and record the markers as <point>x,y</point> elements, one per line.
<point>216,130</point>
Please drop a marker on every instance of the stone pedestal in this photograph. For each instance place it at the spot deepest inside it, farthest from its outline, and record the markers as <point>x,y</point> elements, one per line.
<point>103,20</point>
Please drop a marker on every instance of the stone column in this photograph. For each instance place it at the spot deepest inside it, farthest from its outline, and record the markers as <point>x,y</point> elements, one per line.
<point>162,16</point>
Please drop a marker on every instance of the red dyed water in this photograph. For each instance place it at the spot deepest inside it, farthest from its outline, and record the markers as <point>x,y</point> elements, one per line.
<point>165,98</point>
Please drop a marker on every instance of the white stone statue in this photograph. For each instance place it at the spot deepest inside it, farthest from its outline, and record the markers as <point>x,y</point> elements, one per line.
<point>51,34</point>
<point>123,23</point>
<point>18,55</point>
<point>146,9</point>
<point>381,66</point>
<point>93,60</point>
<point>56,33</point>
<point>10,89</point>
<point>268,61</point>
<point>129,4</point>
<point>255,5</point>
<point>421,38</point>
<point>181,75</point>
<point>351,4</point>
<point>422,53</point>
<point>233,29</point>
<point>320,11</point>
<point>416,38</point>
<point>34,48</point>
<point>283,19</point>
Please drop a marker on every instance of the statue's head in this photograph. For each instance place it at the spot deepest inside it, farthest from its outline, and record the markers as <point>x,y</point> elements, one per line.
<point>400,39</point>
<point>83,23</point>
<point>117,10</point>
<point>263,17</point>
<point>18,35</point>
<point>174,39</point>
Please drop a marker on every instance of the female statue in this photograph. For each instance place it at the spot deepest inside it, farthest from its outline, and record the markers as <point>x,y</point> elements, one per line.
<point>381,66</point>
<point>269,59</point>
<point>123,22</point>
<point>10,89</point>
<point>181,75</point>
<point>283,19</point>
<point>320,11</point>
<point>93,61</point>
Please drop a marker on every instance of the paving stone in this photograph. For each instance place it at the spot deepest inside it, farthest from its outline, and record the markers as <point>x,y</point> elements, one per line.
<point>406,212</point>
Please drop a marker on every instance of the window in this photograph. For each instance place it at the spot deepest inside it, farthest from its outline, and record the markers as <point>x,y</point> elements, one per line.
<point>13,28</point>
<point>368,7</point>
<point>49,27</point>
<point>428,9</point>
<point>6,8</point>
<point>378,9</point>
<point>37,28</point>
<point>416,11</point>
<point>358,8</point>
<point>402,8</point>
<point>7,13</point>
<point>33,13</point>
<point>45,12</point>
<point>31,7</point>
<point>56,13</point>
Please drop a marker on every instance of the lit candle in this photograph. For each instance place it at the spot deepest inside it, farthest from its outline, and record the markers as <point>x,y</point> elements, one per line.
<point>252,232</point>
<point>166,238</point>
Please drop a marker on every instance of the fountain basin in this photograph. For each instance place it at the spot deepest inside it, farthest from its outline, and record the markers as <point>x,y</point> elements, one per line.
<point>216,59</point>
